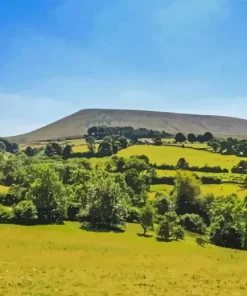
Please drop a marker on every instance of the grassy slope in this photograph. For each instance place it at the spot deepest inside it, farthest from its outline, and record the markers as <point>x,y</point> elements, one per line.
<point>78,123</point>
<point>66,261</point>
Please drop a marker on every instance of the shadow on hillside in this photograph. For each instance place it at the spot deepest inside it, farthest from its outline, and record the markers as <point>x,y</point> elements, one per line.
<point>101,229</point>
<point>146,235</point>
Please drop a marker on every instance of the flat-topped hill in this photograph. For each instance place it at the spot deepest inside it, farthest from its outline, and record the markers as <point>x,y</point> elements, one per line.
<point>78,123</point>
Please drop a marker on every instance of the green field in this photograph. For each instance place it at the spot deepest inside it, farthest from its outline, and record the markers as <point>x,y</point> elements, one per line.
<point>171,155</point>
<point>64,261</point>
<point>215,189</point>
<point>4,189</point>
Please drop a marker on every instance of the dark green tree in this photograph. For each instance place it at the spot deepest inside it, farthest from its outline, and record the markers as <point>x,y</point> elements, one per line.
<point>67,152</point>
<point>180,138</point>
<point>147,218</point>
<point>191,138</point>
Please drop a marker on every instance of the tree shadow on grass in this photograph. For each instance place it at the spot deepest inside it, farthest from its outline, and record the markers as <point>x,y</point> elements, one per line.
<point>101,229</point>
<point>145,235</point>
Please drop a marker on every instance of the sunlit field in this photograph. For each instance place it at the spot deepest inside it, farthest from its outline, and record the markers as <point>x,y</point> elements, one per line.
<point>171,155</point>
<point>67,261</point>
<point>4,189</point>
<point>216,189</point>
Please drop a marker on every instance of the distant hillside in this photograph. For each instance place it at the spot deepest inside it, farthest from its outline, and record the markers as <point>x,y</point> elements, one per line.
<point>78,123</point>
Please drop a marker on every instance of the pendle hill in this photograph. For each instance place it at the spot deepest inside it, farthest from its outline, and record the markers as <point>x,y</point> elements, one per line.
<point>78,123</point>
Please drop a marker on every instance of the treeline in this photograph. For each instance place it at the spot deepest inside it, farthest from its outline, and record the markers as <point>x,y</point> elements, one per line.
<point>108,146</point>
<point>192,138</point>
<point>182,164</point>
<point>229,147</point>
<point>99,132</point>
<point>108,196</point>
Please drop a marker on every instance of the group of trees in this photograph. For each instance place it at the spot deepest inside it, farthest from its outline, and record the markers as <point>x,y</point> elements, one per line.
<point>230,146</point>
<point>110,195</point>
<point>181,138</point>
<point>8,146</point>
<point>221,221</point>
<point>99,132</point>
<point>108,146</point>
<point>52,192</point>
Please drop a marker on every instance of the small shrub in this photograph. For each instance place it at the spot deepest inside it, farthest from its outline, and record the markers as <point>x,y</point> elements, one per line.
<point>133,215</point>
<point>25,212</point>
<point>146,218</point>
<point>201,241</point>
<point>6,214</point>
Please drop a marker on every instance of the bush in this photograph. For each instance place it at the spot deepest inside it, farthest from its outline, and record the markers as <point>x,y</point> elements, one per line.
<point>193,223</point>
<point>6,214</point>
<point>161,204</point>
<point>201,241</point>
<point>169,228</point>
<point>133,215</point>
<point>25,212</point>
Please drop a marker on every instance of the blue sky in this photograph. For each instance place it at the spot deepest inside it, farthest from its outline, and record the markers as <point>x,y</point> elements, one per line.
<point>60,56</point>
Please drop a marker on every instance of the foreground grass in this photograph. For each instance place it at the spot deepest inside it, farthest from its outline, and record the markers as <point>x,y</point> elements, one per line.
<point>171,155</point>
<point>215,189</point>
<point>64,260</point>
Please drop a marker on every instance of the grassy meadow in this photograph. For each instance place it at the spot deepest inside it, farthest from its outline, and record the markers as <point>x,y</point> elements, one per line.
<point>171,155</point>
<point>215,189</point>
<point>68,261</point>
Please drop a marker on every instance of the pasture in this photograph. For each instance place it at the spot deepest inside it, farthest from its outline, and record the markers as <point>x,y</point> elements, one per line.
<point>68,261</point>
<point>216,189</point>
<point>171,155</point>
<point>3,189</point>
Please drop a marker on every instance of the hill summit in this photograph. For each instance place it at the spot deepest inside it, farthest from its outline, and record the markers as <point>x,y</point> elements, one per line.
<point>78,123</point>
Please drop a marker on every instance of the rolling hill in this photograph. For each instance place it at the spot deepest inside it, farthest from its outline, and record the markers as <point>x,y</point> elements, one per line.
<point>78,123</point>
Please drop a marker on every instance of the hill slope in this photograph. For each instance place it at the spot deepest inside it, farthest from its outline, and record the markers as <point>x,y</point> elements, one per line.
<point>78,123</point>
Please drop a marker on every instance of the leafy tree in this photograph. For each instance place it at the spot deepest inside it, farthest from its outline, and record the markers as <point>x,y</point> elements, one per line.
<point>2,146</point>
<point>67,152</point>
<point>180,138</point>
<point>10,147</point>
<point>91,144</point>
<point>193,223</point>
<point>169,228</point>
<point>146,218</point>
<point>29,151</point>
<point>191,138</point>
<point>105,149</point>
<point>115,147</point>
<point>201,139</point>
<point>161,204</point>
<point>6,215</point>
<point>48,195</point>
<point>208,137</point>
<point>25,211</point>
<point>182,164</point>
<point>107,202</point>
<point>187,190</point>
<point>228,223</point>
<point>53,149</point>
<point>215,145</point>
<point>158,142</point>
<point>123,143</point>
